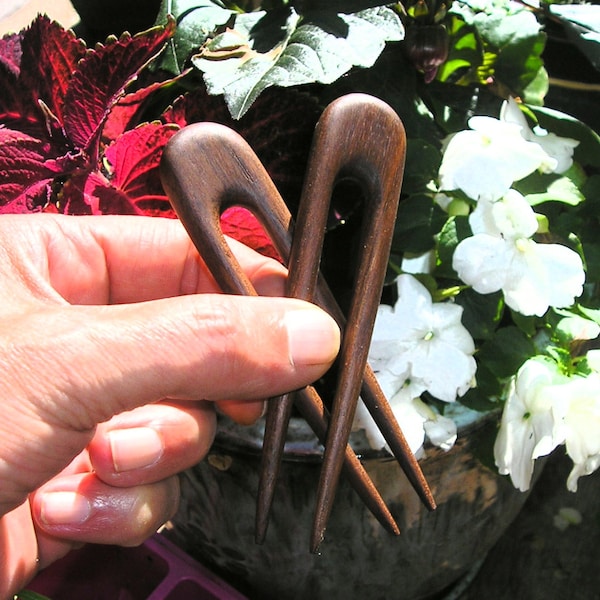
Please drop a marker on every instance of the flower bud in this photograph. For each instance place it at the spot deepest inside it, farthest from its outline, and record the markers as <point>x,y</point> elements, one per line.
<point>427,48</point>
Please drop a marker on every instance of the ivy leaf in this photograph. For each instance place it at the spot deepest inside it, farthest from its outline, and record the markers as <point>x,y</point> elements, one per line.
<point>196,20</point>
<point>101,78</point>
<point>317,48</point>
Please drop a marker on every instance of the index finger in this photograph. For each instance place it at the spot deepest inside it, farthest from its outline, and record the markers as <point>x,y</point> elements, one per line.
<point>125,259</point>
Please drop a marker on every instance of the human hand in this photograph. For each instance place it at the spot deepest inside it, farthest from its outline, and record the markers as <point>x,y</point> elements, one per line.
<point>114,343</point>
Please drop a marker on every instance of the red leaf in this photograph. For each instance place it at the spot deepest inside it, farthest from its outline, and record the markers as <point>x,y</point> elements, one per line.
<point>10,53</point>
<point>25,171</point>
<point>101,78</point>
<point>37,65</point>
<point>135,157</point>
<point>125,114</point>
<point>132,184</point>
<point>240,224</point>
<point>50,56</point>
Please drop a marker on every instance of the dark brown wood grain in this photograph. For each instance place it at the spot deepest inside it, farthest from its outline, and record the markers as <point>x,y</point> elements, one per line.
<point>207,168</point>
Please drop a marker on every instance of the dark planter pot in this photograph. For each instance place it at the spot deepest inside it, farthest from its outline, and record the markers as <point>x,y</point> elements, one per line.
<point>358,558</point>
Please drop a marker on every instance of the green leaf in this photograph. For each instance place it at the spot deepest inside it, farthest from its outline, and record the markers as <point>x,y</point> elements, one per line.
<point>418,221</point>
<point>342,6</point>
<point>529,325</point>
<point>320,47</point>
<point>504,353</point>
<point>591,313</point>
<point>29,595</point>
<point>422,163</point>
<point>481,312</point>
<point>464,51</point>
<point>582,27</point>
<point>454,230</point>
<point>541,187</point>
<point>483,397</point>
<point>519,43</point>
<point>196,21</point>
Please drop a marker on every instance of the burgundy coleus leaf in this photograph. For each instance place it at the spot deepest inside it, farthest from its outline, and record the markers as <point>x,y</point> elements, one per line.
<point>101,78</point>
<point>35,68</point>
<point>10,53</point>
<point>130,181</point>
<point>240,224</point>
<point>125,113</point>
<point>25,172</point>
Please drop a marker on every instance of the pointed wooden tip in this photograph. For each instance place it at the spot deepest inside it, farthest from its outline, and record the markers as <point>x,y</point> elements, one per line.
<point>279,411</point>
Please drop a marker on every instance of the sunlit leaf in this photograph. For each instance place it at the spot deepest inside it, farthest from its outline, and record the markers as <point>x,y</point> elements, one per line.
<point>320,47</point>
<point>101,78</point>
<point>133,176</point>
<point>196,20</point>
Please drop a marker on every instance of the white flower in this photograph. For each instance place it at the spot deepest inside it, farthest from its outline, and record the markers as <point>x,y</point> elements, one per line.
<point>441,431</point>
<point>424,343</point>
<point>577,412</point>
<point>411,422</point>
<point>416,419</point>
<point>527,430</point>
<point>486,160</point>
<point>560,149</point>
<point>502,256</point>
<point>419,263</point>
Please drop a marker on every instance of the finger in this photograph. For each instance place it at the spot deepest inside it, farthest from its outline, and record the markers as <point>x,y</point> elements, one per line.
<point>82,508</point>
<point>206,346</point>
<point>95,362</point>
<point>119,259</point>
<point>243,412</point>
<point>152,442</point>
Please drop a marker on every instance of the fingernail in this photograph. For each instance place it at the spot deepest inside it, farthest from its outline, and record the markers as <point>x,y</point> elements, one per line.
<point>313,337</point>
<point>64,508</point>
<point>134,448</point>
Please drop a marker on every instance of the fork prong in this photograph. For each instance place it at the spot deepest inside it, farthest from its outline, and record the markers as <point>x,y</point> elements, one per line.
<point>279,411</point>
<point>381,411</point>
<point>384,418</point>
<point>311,407</point>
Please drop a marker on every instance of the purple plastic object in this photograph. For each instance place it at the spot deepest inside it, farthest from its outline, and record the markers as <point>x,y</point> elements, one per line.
<point>157,570</point>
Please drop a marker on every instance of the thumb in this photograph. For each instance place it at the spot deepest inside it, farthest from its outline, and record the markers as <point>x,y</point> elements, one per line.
<point>77,366</point>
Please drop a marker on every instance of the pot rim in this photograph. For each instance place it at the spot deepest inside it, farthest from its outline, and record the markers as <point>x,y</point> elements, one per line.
<point>302,445</point>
